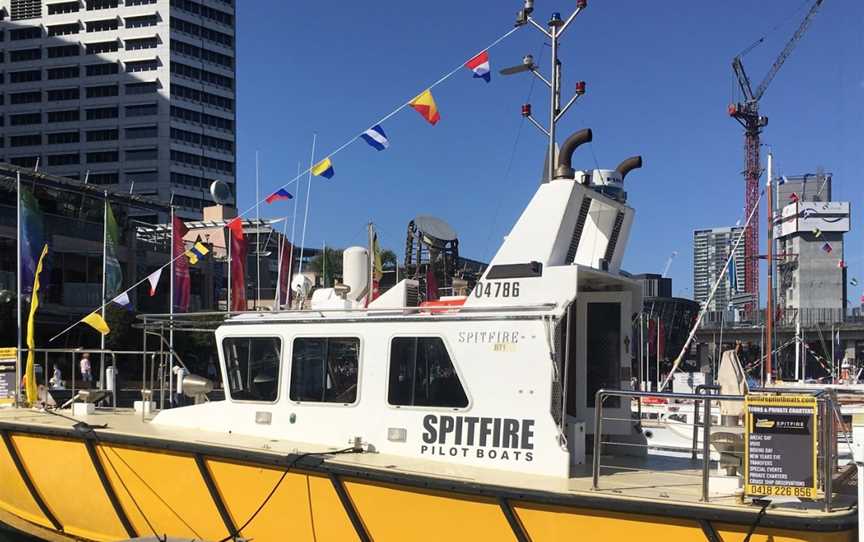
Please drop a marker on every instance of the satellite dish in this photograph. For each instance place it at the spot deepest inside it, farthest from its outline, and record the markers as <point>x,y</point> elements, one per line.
<point>435,231</point>
<point>220,192</point>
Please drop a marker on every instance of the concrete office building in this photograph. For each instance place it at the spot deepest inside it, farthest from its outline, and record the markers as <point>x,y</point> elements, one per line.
<point>711,248</point>
<point>136,94</point>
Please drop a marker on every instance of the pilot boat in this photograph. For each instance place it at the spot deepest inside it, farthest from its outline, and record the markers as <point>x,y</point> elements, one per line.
<point>476,420</point>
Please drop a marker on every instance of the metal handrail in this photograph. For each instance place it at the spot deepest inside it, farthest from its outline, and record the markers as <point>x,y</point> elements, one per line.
<point>825,397</point>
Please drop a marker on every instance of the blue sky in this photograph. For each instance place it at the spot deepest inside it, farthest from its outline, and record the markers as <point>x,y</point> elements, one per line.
<point>658,77</point>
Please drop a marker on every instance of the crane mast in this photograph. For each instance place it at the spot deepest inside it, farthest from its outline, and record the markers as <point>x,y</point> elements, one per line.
<point>747,114</point>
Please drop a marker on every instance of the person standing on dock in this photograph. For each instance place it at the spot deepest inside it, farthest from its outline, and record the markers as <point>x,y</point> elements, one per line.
<point>86,375</point>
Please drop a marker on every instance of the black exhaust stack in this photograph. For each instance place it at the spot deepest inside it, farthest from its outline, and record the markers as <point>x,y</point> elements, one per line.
<point>625,167</point>
<point>565,156</point>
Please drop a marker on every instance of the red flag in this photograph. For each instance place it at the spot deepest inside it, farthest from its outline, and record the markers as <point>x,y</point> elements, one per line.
<point>181,266</point>
<point>794,197</point>
<point>431,285</point>
<point>285,272</point>
<point>238,266</point>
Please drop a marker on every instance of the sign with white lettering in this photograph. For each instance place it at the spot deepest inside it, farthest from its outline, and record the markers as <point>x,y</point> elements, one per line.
<point>7,375</point>
<point>780,445</point>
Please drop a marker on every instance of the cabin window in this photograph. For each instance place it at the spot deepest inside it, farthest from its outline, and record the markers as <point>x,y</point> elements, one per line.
<point>253,366</point>
<point>422,374</point>
<point>324,370</point>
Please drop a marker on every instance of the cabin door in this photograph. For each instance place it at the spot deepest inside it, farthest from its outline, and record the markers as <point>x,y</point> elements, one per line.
<point>600,359</point>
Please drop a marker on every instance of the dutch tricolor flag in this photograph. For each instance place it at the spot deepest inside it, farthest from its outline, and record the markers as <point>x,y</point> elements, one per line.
<point>480,66</point>
<point>376,137</point>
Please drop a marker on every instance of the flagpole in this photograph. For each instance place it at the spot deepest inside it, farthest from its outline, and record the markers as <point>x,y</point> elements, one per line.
<point>371,270</point>
<point>171,304</point>
<point>293,228</point>
<point>308,190</point>
<point>18,297</point>
<point>104,288</point>
<point>257,237</point>
<point>279,252</point>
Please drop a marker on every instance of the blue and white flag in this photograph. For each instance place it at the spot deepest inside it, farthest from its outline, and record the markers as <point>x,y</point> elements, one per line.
<point>123,300</point>
<point>783,180</point>
<point>808,212</point>
<point>376,137</point>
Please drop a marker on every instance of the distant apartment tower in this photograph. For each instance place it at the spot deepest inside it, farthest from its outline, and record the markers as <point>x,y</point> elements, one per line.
<point>138,95</point>
<point>711,249</point>
<point>809,230</point>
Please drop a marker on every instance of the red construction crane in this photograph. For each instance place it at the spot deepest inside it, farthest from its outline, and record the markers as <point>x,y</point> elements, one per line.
<point>747,113</point>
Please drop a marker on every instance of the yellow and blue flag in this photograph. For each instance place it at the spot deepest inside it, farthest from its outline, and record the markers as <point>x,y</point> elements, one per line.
<point>197,252</point>
<point>324,168</point>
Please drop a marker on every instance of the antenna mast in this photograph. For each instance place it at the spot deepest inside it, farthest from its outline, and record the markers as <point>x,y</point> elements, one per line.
<point>554,30</point>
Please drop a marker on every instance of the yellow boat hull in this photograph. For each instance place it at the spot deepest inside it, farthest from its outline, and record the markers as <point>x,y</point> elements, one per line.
<point>67,486</point>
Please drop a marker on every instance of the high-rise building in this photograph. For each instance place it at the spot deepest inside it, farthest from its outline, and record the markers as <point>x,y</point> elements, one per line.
<point>711,249</point>
<point>811,271</point>
<point>136,94</point>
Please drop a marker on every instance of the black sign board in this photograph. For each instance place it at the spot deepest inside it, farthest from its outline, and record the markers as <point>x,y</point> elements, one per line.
<point>7,376</point>
<point>780,446</point>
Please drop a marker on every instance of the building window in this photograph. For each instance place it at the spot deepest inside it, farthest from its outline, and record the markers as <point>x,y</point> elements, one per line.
<point>28,140</point>
<point>142,154</point>
<point>103,91</point>
<point>61,94</point>
<point>147,87</point>
<point>325,370</point>
<point>150,176</point>
<point>29,33</point>
<point>141,110</point>
<point>141,43</point>
<point>102,113</point>
<point>27,76</point>
<point>66,72</point>
<point>65,7</point>
<point>103,178</point>
<point>205,76</point>
<point>253,365</point>
<point>201,31</point>
<point>102,156</point>
<point>103,135</point>
<point>31,97</point>
<point>102,26</point>
<point>23,55</point>
<point>68,115</point>
<point>60,138</point>
<point>142,132</point>
<point>24,119</point>
<point>139,2</point>
<point>63,159</point>
<point>142,65</point>
<point>422,374</point>
<point>102,47</point>
<point>107,68</point>
<point>25,9</point>
<point>93,5</point>
<point>24,161</point>
<point>62,51</point>
<point>63,29</point>
<point>142,21</point>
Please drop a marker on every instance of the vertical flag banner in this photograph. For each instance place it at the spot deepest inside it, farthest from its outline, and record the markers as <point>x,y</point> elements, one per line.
<point>376,138</point>
<point>377,271</point>
<point>182,283</point>
<point>30,371</point>
<point>32,238</point>
<point>324,168</point>
<point>424,104</point>
<point>238,265</point>
<point>480,66</point>
<point>285,272</point>
<point>733,277</point>
<point>113,271</point>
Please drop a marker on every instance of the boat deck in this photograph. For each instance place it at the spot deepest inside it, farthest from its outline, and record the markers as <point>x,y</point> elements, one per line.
<point>653,478</point>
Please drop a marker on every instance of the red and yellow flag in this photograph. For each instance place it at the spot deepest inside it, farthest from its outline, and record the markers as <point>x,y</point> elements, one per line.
<point>424,104</point>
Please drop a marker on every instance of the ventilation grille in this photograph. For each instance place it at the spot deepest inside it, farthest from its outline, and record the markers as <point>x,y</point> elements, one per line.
<point>556,407</point>
<point>577,230</point>
<point>613,238</point>
<point>412,293</point>
<point>26,9</point>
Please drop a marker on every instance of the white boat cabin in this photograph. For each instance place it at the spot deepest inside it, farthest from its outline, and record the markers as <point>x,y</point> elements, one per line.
<point>505,380</point>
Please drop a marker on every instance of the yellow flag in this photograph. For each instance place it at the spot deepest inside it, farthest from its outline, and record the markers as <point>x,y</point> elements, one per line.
<point>30,371</point>
<point>95,321</point>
